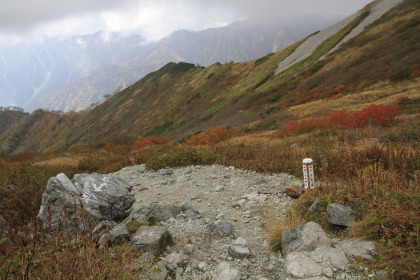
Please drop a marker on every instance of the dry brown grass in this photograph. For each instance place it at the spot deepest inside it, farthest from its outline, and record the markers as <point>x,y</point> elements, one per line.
<point>66,160</point>
<point>382,93</point>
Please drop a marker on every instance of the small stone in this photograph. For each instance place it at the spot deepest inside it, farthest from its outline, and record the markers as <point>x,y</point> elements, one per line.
<point>327,271</point>
<point>239,249</point>
<point>175,260</point>
<point>194,264</point>
<point>354,247</point>
<point>294,191</point>
<point>221,228</point>
<point>219,188</point>
<point>151,239</point>
<point>202,266</point>
<point>189,249</point>
<point>159,272</point>
<point>165,171</point>
<point>225,272</point>
<point>341,215</point>
<point>314,206</point>
<point>220,216</point>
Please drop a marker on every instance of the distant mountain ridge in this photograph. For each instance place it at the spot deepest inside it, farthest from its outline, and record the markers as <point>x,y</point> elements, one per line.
<point>74,73</point>
<point>183,99</point>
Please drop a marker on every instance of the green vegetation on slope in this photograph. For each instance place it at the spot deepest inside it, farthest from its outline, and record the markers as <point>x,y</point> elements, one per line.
<point>181,99</point>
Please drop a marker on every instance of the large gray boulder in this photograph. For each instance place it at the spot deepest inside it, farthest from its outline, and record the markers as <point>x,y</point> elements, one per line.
<point>341,215</point>
<point>304,238</point>
<point>151,239</point>
<point>82,203</point>
<point>220,228</point>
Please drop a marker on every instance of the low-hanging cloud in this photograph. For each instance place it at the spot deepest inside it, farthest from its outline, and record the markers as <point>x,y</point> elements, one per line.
<point>22,16</point>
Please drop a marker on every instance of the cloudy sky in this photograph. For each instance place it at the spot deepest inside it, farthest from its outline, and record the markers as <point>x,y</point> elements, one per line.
<point>154,19</point>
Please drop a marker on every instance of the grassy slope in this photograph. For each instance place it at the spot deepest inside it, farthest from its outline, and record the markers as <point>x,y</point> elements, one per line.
<point>181,99</point>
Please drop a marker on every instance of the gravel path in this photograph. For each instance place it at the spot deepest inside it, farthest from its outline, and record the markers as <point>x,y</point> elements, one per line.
<point>250,201</point>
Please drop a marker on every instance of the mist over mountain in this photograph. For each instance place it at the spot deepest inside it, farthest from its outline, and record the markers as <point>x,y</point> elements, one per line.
<point>72,74</point>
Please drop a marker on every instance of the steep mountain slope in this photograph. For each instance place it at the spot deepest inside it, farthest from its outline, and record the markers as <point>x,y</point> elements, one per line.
<point>182,99</point>
<point>72,74</point>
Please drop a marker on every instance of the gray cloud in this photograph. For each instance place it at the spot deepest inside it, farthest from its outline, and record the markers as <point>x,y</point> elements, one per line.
<point>21,16</point>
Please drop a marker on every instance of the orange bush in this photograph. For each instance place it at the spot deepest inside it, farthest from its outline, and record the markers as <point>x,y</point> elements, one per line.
<point>144,142</point>
<point>337,96</point>
<point>415,74</point>
<point>373,115</point>
<point>209,137</point>
<point>5,165</point>
<point>108,146</point>
<point>158,140</point>
<point>24,157</point>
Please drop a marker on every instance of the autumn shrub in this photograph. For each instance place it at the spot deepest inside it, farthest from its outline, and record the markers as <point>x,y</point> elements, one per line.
<point>373,115</point>
<point>108,146</point>
<point>30,253</point>
<point>415,74</point>
<point>210,137</point>
<point>337,96</point>
<point>143,142</point>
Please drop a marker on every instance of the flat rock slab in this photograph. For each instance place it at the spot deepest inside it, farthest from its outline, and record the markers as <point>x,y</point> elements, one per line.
<point>304,238</point>
<point>357,248</point>
<point>341,215</point>
<point>315,263</point>
<point>151,239</point>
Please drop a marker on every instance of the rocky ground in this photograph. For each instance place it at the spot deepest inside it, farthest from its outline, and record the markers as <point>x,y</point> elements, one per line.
<point>219,218</point>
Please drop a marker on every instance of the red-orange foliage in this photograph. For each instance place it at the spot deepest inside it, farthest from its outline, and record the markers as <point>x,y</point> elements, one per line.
<point>415,74</point>
<point>158,140</point>
<point>337,96</point>
<point>404,100</point>
<point>5,165</point>
<point>108,146</point>
<point>24,157</point>
<point>373,115</point>
<point>209,137</point>
<point>144,142</point>
<point>335,90</point>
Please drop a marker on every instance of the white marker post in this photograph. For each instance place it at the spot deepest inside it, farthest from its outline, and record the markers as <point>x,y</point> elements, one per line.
<point>308,173</point>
